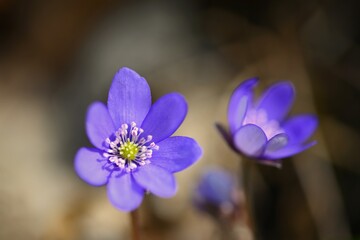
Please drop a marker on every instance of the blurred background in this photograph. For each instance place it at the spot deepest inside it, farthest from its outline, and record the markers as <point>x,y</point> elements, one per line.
<point>56,57</point>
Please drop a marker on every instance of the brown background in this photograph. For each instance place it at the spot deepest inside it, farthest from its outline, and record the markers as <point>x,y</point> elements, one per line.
<point>56,57</point>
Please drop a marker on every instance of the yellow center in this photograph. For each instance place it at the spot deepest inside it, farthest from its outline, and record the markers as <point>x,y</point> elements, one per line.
<point>128,150</point>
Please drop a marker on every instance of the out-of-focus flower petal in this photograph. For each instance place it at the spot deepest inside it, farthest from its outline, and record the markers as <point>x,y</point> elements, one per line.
<point>129,98</point>
<point>289,151</point>
<point>277,100</point>
<point>275,143</point>
<point>239,101</point>
<point>165,116</point>
<point>99,124</point>
<point>300,128</point>
<point>218,195</point>
<point>259,131</point>
<point>89,167</point>
<point>250,140</point>
<point>216,186</point>
<point>176,153</point>
<point>124,193</point>
<point>157,180</point>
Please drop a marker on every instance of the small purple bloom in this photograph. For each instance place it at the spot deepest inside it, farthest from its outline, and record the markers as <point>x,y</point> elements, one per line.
<point>260,130</point>
<point>217,193</point>
<point>134,152</point>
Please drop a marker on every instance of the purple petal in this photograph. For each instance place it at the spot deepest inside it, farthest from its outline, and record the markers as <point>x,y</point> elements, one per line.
<point>239,102</point>
<point>156,179</point>
<point>216,186</point>
<point>99,124</point>
<point>89,167</point>
<point>276,143</point>
<point>250,140</point>
<point>289,151</point>
<point>124,193</point>
<point>277,100</point>
<point>300,128</point>
<point>176,153</point>
<point>129,98</point>
<point>165,116</point>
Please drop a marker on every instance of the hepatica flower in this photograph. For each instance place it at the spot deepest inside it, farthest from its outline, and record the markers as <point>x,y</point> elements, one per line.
<point>260,130</point>
<point>133,152</point>
<point>217,193</point>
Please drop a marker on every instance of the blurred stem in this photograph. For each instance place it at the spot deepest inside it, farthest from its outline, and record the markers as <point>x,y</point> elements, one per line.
<point>248,215</point>
<point>227,229</point>
<point>135,227</point>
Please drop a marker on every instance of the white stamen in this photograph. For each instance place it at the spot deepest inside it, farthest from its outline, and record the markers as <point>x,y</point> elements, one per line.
<point>132,165</point>
<point>138,150</point>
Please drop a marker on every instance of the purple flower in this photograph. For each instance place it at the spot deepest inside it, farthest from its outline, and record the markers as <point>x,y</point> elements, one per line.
<point>217,193</point>
<point>134,152</point>
<point>260,130</point>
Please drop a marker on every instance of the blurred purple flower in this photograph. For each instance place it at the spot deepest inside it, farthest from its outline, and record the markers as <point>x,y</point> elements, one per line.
<point>133,150</point>
<point>217,193</point>
<point>259,129</point>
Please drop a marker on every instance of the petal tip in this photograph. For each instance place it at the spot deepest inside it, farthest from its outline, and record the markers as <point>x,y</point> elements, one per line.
<point>127,70</point>
<point>285,84</point>
<point>165,116</point>
<point>98,124</point>
<point>87,169</point>
<point>240,100</point>
<point>129,97</point>
<point>156,180</point>
<point>123,192</point>
<point>277,100</point>
<point>180,98</point>
<point>248,84</point>
<point>199,152</point>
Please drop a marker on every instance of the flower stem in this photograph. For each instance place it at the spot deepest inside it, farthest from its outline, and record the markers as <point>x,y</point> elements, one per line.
<point>248,214</point>
<point>135,227</point>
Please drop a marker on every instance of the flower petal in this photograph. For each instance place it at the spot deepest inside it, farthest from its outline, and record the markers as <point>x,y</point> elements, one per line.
<point>239,102</point>
<point>250,140</point>
<point>99,124</point>
<point>289,151</point>
<point>216,186</point>
<point>124,193</point>
<point>176,153</point>
<point>277,100</point>
<point>300,128</point>
<point>89,167</point>
<point>165,116</point>
<point>156,179</point>
<point>129,98</point>
<point>275,143</point>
